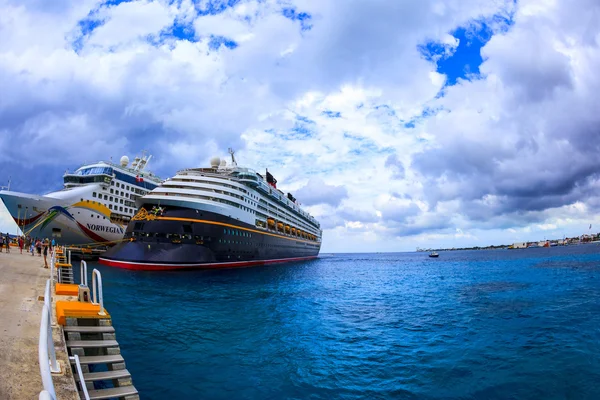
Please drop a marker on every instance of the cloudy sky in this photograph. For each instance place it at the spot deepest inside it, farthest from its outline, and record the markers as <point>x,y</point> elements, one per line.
<point>398,123</point>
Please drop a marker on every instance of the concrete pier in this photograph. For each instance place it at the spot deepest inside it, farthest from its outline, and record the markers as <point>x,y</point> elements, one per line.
<point>22,283</point>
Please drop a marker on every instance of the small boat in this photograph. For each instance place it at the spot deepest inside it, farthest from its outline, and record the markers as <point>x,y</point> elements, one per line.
<point>433,254</point>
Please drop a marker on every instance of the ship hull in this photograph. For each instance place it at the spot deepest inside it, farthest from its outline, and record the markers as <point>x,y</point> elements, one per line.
<point>189,239</point>
<point>68,221</point>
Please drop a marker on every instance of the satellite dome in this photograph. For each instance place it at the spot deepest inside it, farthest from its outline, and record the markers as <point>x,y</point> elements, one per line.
<point>214,162</point>
<point>223,163</point>
<point>124,161</point>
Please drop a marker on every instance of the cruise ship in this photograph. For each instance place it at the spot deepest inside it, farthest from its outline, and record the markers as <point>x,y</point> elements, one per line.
<point>219,217</point>
<point>93,208</point>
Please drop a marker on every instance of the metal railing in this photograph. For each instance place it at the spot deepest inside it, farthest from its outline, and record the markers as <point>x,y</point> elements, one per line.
<point>97,290</point>
<point>83,273</point>
<point>81,380</point>
<point>46,351</point>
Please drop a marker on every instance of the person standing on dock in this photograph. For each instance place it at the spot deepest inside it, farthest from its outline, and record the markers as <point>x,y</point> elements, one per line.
<point>1,242</point>
<point>21,243</point>
<point>46,245</point>
<point>7,242</point>
<point>38,246</point>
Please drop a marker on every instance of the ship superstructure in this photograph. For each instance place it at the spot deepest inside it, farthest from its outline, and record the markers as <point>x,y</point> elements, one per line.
<point>222,216</point>
<point>94,206</point>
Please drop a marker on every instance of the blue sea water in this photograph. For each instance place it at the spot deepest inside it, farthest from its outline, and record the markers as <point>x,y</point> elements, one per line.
<point>522,324</point>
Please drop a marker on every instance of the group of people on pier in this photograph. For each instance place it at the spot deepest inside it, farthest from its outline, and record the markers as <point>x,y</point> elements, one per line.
<point>31,245</point>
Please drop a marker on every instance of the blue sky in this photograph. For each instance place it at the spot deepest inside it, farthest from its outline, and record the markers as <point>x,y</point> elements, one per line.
<point>443,124</point>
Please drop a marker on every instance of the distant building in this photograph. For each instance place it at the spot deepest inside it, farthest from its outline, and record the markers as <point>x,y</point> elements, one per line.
<point>520,245</point>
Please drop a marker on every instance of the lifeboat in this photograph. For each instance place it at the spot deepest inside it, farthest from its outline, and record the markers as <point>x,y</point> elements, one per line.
<point>271,223</point>
<point>280,226</point>
<point>293,231</point>
<point>287,229</point>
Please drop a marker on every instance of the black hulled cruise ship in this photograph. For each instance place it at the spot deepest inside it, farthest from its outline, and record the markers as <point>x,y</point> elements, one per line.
<point>218,217</point>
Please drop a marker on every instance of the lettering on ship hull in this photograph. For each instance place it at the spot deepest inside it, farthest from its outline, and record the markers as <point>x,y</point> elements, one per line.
<point>102,228</point>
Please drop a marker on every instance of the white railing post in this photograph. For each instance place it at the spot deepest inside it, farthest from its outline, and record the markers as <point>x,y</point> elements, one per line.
<point>52,260</point>
<point>45,345</point>
<point>83,273</point>
<point>97,288</point>
<point>86,395</point>
<point>48,299</point>
<point>54,367</point>
<point>44,395</point>
<point>69,257</point>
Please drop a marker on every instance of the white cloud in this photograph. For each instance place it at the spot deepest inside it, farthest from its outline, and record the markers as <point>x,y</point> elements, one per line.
<point>348,102</point>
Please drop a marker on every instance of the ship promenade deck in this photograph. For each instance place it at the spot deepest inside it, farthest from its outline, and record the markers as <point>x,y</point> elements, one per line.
<point>22,283</point>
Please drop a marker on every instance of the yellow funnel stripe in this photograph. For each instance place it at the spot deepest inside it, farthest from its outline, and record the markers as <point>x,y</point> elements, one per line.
<point>94,205</point>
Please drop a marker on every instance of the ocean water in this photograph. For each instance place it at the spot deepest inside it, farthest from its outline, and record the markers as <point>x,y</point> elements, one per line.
<point>522,324</point>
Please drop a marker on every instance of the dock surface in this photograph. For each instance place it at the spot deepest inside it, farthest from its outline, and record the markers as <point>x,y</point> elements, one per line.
<point>22,282</point>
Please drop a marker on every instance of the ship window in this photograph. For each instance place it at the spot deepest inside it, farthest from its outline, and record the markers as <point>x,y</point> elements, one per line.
<point>121,208</point>
<point>94,194</point>
<point>112,183</point>
<point>111,191</point>
<point>110,206</point>
<point>111,198</point>
<point>118,185</point>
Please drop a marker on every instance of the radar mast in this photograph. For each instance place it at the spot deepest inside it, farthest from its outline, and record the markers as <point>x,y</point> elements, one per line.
<point>232,152</point>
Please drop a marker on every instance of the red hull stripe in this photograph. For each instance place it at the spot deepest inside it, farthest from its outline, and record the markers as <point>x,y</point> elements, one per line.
<point>29,221</point>
<point>91,234</point>
<point>165,267</point>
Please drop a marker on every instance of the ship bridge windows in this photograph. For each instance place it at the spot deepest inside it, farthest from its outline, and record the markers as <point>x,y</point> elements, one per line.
<point>95,171</point>
<point>84,179</point>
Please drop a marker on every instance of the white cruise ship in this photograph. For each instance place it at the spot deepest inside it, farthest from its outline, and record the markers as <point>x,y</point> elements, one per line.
<point>94,207</point>
<point>222,216</point>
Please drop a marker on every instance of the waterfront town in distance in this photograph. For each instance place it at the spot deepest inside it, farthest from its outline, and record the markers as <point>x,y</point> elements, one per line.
<point>577,240</point>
